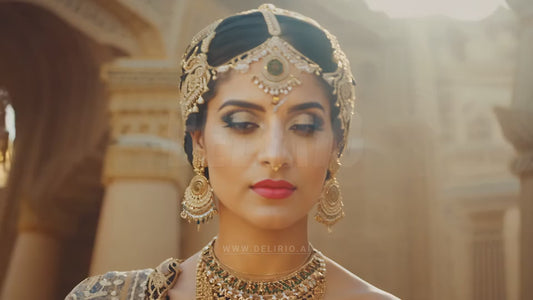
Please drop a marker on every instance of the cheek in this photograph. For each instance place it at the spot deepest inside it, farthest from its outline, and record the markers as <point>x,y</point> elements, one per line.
<point>221,160</point>
<point>312,162</point>
<point>227,150</point>
<point>313,154</point>
<point>228,157</point>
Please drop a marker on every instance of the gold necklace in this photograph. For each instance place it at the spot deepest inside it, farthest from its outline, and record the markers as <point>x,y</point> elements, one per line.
<point>262,276</point>
<point>214,281</point>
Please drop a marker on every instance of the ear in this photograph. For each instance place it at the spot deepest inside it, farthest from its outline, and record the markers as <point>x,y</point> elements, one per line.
<point>198,142</point>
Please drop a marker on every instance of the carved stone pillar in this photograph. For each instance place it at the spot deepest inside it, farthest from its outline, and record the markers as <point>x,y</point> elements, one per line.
<point>145,168</point>
<point>488,276</point>
<point>37,253</point>
<point>517,126</point>
<point>511,232</point>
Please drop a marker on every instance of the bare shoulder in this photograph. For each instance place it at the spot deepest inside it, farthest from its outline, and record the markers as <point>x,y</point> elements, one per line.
<point>185,287</point>
<point>342,284</point>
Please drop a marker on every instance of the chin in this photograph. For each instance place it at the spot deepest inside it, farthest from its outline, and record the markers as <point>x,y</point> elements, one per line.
<point>274,220</point>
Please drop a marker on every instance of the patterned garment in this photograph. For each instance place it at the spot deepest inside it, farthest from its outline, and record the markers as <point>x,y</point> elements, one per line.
<point>147,284</point>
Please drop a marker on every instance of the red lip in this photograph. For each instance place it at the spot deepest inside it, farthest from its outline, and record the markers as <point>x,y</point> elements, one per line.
<point>273,189</point>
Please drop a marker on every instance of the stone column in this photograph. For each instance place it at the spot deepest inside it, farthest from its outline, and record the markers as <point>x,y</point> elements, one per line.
<point>517,125</point>
<point>34,266</point>
<point>144,170</point>
<point>511,231</point>
<point>487,252</point>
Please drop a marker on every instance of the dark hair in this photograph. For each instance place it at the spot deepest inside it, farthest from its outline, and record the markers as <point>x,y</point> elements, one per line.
<point>240,33</point>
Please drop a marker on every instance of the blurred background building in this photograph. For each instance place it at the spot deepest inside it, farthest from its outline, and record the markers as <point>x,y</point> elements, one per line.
<point>439,203</point>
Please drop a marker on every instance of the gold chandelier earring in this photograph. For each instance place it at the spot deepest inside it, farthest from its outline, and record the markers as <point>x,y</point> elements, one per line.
<point>329,210</point>
<point>198,203</point>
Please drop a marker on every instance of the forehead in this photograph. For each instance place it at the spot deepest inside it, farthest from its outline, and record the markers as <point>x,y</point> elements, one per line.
<point>240,86</point>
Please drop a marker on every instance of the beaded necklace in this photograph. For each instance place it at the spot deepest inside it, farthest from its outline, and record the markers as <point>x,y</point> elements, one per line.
<point>215,281</point>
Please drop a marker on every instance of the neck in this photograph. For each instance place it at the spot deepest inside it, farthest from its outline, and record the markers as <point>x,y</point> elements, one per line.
<point>254,251</point>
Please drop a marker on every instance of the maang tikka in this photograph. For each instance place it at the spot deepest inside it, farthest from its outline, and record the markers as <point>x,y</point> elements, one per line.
<point>276,78</point>
<point>198,203</point>
<point>329,209</point>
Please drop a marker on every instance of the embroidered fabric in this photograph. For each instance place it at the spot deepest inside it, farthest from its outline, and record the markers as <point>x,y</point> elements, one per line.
<point>147,284</point>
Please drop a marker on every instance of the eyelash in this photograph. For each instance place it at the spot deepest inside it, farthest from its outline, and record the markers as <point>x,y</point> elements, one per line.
<point>241,127</point>
<point>309,129</point>
<point>248,127</point>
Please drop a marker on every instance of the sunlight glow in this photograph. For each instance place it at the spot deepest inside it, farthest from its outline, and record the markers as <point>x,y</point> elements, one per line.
<point>10,122</point>
<point>458,9</point>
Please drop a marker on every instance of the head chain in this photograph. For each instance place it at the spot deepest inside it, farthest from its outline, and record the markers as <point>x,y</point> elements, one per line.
<point>197,73</point>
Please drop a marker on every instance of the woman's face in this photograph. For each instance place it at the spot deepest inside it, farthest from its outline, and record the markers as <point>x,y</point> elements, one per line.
<point>246,138</point>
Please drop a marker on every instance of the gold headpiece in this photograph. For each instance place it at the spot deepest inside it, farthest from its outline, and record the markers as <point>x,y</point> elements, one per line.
<point>277,56</point>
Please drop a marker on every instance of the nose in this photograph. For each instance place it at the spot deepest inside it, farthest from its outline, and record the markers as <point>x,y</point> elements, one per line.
<point>275,153</point>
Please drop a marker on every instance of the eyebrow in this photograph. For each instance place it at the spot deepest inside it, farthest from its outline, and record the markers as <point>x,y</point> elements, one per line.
<point>306,105</point>
<point>292,109</point>
<point>243,104</point>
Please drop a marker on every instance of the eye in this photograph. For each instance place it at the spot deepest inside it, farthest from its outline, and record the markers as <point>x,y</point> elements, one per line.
<point>306,124</point>
<point>240,121</point>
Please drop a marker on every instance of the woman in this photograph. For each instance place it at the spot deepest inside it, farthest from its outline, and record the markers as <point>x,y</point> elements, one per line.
<point>267,96</point>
